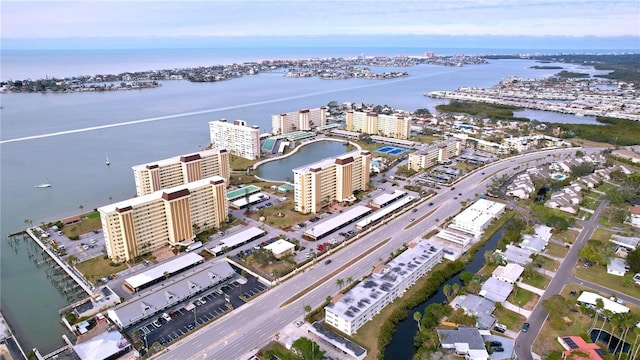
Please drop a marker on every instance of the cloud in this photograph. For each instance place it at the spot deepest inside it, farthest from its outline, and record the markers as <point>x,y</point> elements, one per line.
<point>59,19</point>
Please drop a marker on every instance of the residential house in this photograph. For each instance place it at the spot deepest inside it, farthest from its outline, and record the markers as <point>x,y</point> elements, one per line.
<point>508,273</point>
<point>616,266</point>
<point>496,290</point>
<point>477,306</point>
<point>629,242</point>
<point>464,341</point>
<point>577,349</point>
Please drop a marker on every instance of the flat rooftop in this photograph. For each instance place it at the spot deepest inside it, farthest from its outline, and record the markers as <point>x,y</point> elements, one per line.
<point>325,163</point>
<point>332,224</point>
<point>158,272</point>
<point>176,159</point>
<point>386,197</point>
<point>238,193</point>
<point>241,237</point>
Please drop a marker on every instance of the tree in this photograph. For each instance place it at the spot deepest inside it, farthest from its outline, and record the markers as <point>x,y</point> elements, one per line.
<point>633,260</point>
<point>81,207</point>
<point>446,290</point>
<point>307,349</point>
<point>340,283</point>
<point>466,277</point>
<point>349,280</point>
<point>417,317</point>
<point>307,309</point>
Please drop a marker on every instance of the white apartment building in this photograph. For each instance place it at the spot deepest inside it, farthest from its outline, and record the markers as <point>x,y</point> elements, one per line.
<point>305,119</point>
<point>237,137</point>
<point>435,154</point>
<point>394,126</point>
<point>179,170</point>
<point>320,183</point>
<point>352,310</point>
<point>474,219</point>
<point>166,217</point>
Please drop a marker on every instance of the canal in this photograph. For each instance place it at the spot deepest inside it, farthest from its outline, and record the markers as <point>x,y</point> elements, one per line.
<point>401,346</point>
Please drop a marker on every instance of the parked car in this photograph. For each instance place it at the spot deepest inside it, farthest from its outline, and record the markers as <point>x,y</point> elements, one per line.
<point>299,323</point>
<point>166,316</point>
<point>156,323</point>
<point>495,343</point>
<point>497,349</point>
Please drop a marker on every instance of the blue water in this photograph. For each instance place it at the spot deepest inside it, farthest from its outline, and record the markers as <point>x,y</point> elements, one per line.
<point>391,150</point>
<point>53,137</point>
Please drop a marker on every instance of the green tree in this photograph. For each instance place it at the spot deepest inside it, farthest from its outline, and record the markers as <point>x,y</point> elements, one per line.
<point>340,283</point>
<point>446,290</point>
<point>417,317</point>
<point>307,349</point>
<point>633,260</point>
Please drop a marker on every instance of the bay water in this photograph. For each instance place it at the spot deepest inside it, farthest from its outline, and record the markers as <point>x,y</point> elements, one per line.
<point>63,139</point>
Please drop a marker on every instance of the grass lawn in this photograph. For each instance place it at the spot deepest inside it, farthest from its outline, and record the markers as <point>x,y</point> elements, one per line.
<point>547,263</point>
<point>288,218</point>
<point>239,163</point>
<point>547,340</point>
<point>98,267</point>
<point>281,267</point>
<point>85,226</point>
<point>524,299</point>
<point>566,236</point>
<point>275,349</point>
<point>556,250</point>
<point>537,280</point>
<point>590,202</point>
<point>606,187</point>
<point>487,270</point>
<point>602,235</point>
<point>426,139</point>
<point>597,274</point>
<point>512,320</point>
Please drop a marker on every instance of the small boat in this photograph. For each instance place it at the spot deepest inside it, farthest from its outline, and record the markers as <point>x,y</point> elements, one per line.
<point>107,161</point>
<point>44,184</point>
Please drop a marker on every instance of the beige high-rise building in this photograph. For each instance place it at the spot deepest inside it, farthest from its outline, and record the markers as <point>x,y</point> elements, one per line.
<point>305,119</point>
<point>171,216</point>
<point>435,154</point>
<point>180,170</point>
<point>320,183</point>
<point>394,126</point>
<point>237,137</point>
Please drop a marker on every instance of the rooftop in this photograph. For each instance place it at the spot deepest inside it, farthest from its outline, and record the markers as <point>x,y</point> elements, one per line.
<point>330,225</point>
<point>328,162</point>
<point>158,272</point>
<point>179,158</point>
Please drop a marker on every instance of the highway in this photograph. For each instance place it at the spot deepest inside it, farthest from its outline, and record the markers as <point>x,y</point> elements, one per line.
<point>241,333</point>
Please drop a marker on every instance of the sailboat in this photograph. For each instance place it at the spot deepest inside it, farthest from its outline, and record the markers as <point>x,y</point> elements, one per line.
<point>107,161</point>
<point>45,184</point>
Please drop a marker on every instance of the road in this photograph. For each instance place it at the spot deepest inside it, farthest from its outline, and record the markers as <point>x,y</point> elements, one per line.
<point>244,331</point>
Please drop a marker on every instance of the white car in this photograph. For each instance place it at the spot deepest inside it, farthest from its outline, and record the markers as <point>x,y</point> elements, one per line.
<point>166,316</point>
<point>299,323</point>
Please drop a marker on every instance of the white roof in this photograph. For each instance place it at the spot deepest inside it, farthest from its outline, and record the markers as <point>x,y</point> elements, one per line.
<point>590,298</point>
<point>379,214</point>
<point>511,271</point>
<point>280,246</point>
<point>241,237</point>
<point>157,272</point>
<point>101,346</point>
<point>332,224</point>
<point>388,197</point>
<point>252,199</point>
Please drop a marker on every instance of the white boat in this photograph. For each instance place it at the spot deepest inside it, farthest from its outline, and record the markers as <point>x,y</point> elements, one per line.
<point>44,184</point>
<point>107,161</point>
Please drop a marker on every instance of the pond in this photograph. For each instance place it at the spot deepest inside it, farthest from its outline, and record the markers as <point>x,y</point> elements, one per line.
<point>281,169</point>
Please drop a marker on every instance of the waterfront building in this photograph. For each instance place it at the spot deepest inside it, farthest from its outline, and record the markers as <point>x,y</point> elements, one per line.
<point>474,219</point>
<point>237,137</point>
<point>371,123</point>
<point>305,119</point>
<point>172,216</point>
<point>337,178</point>
<point>435,154</point>
<point>179,170</point>
<point>352,310</point>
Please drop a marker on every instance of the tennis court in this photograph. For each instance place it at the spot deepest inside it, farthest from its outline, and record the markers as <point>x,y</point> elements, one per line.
<point>391,150</point>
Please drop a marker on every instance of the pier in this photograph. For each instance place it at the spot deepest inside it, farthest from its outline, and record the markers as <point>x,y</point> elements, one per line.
<point>64,266</point>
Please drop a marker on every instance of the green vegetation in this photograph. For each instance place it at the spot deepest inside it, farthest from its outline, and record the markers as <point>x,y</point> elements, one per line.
<point>493,111</point>
<point>546,67</point>
<point>523,298</point>
<point>618,132</point>
<point>510,319</point>
<point>597,274</point>
<point>239,163</point>
<point>625,67</point>
<point>556,250</point>
<point>99,267</point>
<point>571,75</point>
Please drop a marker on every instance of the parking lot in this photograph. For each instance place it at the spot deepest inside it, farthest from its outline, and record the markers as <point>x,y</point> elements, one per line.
<point>197,311</point>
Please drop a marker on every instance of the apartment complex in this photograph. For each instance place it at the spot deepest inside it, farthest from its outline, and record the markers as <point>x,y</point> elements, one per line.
<point>166,217</point>
<point>180,170</point>
<point>349,312</point>
<point>394,126</point>
<point>305,119</point>
<point>435,154</point>
<point>237,137</point>
<point>331,179</point>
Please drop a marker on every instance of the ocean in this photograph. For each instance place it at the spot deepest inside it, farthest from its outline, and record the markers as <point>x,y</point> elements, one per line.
<point>63,139</point>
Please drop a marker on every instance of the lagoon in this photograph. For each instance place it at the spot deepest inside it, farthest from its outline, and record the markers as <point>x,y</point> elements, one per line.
<point>281,169</point>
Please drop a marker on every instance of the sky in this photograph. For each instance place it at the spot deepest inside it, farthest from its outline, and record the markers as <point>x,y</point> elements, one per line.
<point>70,22</point>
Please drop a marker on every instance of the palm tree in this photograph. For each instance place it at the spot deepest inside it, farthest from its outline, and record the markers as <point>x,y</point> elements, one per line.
<point>81,207</point>
<point>349,280</point>
<point>456,289</point>
<point>276,336</point>
<point>417,317</point>
<point>446,290</point>
<point>340,283</point>
<point>307,309</point>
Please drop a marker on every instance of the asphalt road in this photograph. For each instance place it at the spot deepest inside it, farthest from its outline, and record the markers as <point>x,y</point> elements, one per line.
<point>242,332</point>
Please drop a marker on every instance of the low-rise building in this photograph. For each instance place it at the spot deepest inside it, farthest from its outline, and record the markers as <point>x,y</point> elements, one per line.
<point>616,266</point>
<point>477,306</point>
<point>474,219</point>
<point>575,348</point>
<point>591,299</point>
<point>464,341</point>
<point>496,290</point>
<point>509,273</point>
<point>627,154</point>
<point>514,254</point>
<point>281,248</point>
<point>352,310</point>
